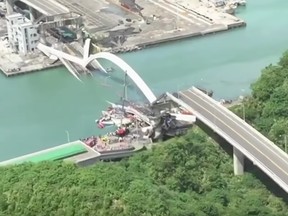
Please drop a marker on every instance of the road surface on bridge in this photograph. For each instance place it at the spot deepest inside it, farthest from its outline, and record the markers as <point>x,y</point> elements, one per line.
<point>47,7</point>
<point>273,159</point>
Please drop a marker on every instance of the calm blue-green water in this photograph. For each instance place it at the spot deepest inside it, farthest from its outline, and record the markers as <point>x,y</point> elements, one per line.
<point>36,110</point>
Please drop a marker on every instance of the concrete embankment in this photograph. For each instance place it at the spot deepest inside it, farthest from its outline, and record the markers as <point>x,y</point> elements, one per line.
<point>12,64</point>
<point>30,69</point>
<point>177,35</point>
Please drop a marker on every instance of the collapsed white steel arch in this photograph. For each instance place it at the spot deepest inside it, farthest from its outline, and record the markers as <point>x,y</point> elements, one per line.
<point>128,70</point>
<point>102,55</point>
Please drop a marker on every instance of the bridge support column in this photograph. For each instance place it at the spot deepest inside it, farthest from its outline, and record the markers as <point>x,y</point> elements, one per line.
<point>79,35</point>
<point>33,14</point>
<point>9,6</point>
<point>42,36</point>
<point>238,161</point>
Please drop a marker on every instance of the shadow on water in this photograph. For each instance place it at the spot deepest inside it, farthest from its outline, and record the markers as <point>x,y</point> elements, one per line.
<point>249,167</point>
<point>116,80</point>
<point>111,76</point>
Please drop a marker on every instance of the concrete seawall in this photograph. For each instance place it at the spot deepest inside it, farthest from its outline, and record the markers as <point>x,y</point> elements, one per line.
<point>21,72</point>
<point>134,47</point>
<point>179,36</point>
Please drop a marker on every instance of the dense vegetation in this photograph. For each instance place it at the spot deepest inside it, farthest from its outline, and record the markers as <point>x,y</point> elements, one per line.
<point>186,176</point>
<point>182,177</point>
<point>267,107</point>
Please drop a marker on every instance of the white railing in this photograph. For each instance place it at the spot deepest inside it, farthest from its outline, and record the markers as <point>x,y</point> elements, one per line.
<point>210,124</point>
<point>241,122</point>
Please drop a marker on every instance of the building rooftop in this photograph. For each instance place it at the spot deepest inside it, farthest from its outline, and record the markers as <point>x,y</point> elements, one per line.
<point>56,153</point>
<point>47,7</point>
<point>14,15</point>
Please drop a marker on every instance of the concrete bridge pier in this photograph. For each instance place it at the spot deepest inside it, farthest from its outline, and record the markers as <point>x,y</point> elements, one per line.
<point>42,37</point>
<point>79,35</point>
<point>9,6</point>
<point>33,14</point>
<point>238,161</point>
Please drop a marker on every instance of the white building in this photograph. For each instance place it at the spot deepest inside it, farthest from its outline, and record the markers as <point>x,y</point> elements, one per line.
<point>23,35</point>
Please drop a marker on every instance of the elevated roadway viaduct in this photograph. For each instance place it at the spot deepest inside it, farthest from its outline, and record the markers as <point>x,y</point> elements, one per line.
<point>46,7</point>
<point>246,141</point>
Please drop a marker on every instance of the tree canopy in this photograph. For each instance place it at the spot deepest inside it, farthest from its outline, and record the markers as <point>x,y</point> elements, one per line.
<point>188,175</point>
<point>267,107</point>
<point>185,176</point>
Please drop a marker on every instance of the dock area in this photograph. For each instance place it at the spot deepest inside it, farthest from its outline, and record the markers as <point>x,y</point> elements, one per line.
<point>158,21</point>
<point>120,26</point>
<point>12,64</point>
<point>52,154</point>
<point>145,125</point>
<point>76,152</point>
<point>172,20</point>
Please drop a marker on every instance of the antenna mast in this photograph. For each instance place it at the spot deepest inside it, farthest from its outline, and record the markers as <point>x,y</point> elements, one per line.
<point>124,98</point>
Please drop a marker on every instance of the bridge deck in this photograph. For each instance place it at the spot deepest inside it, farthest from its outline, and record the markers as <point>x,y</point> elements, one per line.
<point>47,7</point>
<point>266,155</point>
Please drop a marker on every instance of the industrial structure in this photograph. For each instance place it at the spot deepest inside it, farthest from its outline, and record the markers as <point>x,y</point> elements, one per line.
<point>246,141</point>
<point>29,20</point>
<point>23,34</point>
<point>131,5</point>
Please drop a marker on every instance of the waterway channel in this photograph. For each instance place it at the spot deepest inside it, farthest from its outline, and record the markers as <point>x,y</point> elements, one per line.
<point>49,108</point>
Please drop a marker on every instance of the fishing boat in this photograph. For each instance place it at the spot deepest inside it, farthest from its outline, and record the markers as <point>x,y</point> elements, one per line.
<point>105,120</point>
<point>124,139</point>
<point>123,114</point>
<point>103,123</point>
<point>205,91</point>
<point>109,69</point>
<point>115,116</point>
<point>239,2</point>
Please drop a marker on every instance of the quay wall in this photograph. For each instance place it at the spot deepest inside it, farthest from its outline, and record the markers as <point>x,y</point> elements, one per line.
<point>175,37</point>
<point>21,72</point>
<point>137,46</point>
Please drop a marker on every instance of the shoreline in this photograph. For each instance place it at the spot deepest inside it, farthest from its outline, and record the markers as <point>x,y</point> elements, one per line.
<point>153,42</point>
<point>158,22</point>
<point>173,38</point>
<point>23,72</point>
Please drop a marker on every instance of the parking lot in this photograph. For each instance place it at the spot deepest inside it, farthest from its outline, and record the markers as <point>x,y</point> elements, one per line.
<point>98,14</point>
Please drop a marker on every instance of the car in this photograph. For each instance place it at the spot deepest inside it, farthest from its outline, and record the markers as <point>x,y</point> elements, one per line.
<point>63,34</point>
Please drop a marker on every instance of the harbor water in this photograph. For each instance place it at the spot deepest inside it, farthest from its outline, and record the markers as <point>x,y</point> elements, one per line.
<point>48,108</point>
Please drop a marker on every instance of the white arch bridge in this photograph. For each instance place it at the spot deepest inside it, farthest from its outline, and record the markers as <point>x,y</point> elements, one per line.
<point>50,51</point>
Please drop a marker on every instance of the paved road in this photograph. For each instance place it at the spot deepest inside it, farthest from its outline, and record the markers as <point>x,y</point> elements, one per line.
<point>273,159</point>
<point>92,11</point>
<point>180,12</point>
<point>47,7</point>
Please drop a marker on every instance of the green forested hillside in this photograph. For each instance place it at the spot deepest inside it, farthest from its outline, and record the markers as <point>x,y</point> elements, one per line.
<point>182,177</point>
<point>186,176</point>
<point>267,108</point>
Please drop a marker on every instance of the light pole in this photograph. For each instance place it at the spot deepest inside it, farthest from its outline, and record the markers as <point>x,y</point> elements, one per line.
<point>284,136</point>
<point>68,136</point>
<point>285,143</point>
<point>105,80</point>
<point>243,111</point>
<point>177,16</point>
<point>125,96</point>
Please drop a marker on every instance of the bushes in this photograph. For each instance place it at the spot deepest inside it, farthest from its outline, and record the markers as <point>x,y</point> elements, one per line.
<point>183,176</point>
<point>267,108</point>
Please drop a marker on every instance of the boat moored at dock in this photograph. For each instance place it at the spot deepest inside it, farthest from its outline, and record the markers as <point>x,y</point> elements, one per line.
<point>138,126</point>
